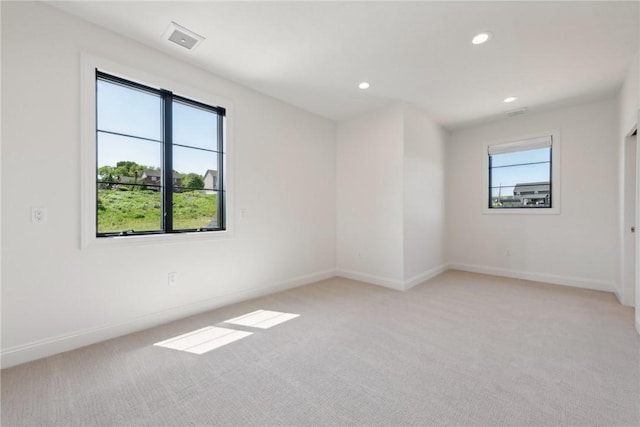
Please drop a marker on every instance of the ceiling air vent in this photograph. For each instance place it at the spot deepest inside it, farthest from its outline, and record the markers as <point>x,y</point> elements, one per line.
<point>518,112</point>
<point>182,37</point>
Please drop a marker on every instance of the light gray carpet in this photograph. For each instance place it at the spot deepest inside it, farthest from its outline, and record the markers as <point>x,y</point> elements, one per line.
<point>462,349</point>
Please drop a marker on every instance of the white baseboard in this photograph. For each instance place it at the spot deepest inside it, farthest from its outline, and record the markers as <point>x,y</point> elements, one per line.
<point>577,282</point>
<point>49,346</point>
<point>423,277</point>
<point>616,291</point>
<point>398,285</point>
<point>387,282</point>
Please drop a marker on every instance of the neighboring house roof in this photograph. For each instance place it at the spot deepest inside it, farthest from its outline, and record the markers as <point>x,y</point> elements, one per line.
<point>211,172</point>
<point>532,188</point>
<point>157,173</point>
<point>150,172</point>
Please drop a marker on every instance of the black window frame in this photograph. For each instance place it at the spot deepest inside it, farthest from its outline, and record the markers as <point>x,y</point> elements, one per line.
<point>528,207</point>
<point>166,188</point>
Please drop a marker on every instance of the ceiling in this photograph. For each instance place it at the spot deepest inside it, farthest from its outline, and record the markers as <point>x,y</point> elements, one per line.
<point>314,54</point>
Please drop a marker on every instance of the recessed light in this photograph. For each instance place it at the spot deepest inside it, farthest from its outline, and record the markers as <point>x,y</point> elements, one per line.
<point>364,85</point>
<point>481,38</point>
<point>510,99</point>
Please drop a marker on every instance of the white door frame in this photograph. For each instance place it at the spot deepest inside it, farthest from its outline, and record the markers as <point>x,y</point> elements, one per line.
<point>637,290</point>
<point>630,240</point>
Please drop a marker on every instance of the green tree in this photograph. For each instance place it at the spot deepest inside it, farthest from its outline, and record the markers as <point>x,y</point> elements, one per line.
<point>129,168</point>
<point>108,176</point>
<point>193,181</point>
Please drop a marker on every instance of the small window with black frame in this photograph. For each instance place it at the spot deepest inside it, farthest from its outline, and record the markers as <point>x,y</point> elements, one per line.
<point>520,174</point>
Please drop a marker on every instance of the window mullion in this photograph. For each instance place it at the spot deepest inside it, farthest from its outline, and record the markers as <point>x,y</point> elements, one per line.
<point>167,194</point>
<point>551,177</point>
<point>221,194</point>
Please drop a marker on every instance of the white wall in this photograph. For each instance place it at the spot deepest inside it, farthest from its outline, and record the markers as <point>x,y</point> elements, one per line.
<point>369,197</point>
<point>424,210</point>
<point>628,98</point>
<point>56,296</point>
<point>390,175</point>
<point>577,247</point>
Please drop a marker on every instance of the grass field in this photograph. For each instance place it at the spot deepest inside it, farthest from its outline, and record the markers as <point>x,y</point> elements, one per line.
<point>141,210</point>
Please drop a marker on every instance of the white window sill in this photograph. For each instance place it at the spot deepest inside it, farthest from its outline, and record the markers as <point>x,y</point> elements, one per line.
<point>156,239</point>
<point>522,211</point>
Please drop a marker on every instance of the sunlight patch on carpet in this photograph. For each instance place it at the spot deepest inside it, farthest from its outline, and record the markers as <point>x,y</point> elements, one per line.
<point>263,319</point>
<point>203,340</point>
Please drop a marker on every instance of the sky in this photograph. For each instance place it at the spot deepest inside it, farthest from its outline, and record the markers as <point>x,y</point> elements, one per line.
<point>507,173</point>
<point>132,112</point>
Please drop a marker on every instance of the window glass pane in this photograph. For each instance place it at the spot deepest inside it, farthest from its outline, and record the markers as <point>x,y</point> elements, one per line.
<point>124,207</point>
<point>128,111</point>
<point>520,157</point>
<point>128,184</point>
<point>115,149</point>
<point>194,127</point>
<point>193,209</point>
<point>194,166</point>
<point>195,201</point>
<point>502,191</point>
<point>526,186</point>
<point>513,175</point>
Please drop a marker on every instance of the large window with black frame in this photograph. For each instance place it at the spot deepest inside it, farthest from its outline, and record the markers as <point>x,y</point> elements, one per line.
<point>160,161</point>
<point>520,174</point>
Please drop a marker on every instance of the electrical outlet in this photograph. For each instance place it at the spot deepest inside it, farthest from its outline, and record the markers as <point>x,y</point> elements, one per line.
<point>173,278</point>
<point>38,215</point>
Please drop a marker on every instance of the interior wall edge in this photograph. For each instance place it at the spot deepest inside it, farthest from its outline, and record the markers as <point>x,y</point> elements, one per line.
<point>58,344</point>
<point>398,285</point>
<point>618,295</point>
<point>371,279</point>
<point>424,276</point>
